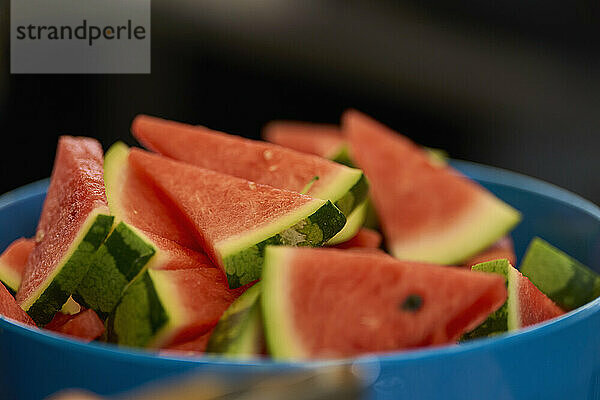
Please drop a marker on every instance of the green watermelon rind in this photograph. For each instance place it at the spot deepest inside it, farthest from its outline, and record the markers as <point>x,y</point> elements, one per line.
<point>64,280</point>
<point>566,281</point>
<point>311,225</point>
<point>506,317</point>
<point>456,243</point>
<point>353,197</point>
<point>119,260</point>
<point>280,334</point>
<point>115,162</point>
<point>139,316</point>
<point>9,277</point>
<point>341,155</point>
<point>353,224</point>
<point>239,331</point>
<point>149,313</point>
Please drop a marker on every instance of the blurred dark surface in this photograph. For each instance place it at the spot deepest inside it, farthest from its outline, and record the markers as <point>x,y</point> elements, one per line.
<point>511,84</point>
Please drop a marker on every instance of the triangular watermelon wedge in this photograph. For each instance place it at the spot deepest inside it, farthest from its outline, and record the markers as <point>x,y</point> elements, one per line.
<point>164,307</point>
<point>253,160</point>
<point>375,303</point>
<point>13,261</point>
<point>428,212</point>
<point>525,305</point>
<point>234,219</point>
<point>10,309</point>
<point>133,200</point>
<point>73,224</point>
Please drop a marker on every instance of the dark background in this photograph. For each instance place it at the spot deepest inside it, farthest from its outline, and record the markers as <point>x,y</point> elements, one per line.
<point>514,84</point>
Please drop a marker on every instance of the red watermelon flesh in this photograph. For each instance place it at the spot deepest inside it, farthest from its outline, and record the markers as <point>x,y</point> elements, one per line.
<point>389,304</point>
<point>534,306</point>
<point>428,212</point>
<point>10,309</point>
<point>253,160</point>
<point>203,295</point>
<point>319,139</point>
<point>503,248</point>
<point>365,238</point>
<point>174,256</point>
<point>13,260</point>
<point>85,325</point>
<point>134,200</point>
<point>76,194</point>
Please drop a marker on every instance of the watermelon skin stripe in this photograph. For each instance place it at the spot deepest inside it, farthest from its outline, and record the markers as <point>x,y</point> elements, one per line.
<point>123,256</point>
<point>138,328</point>
<point>563,279</point>
<point>239,331</point>
<point>245,266</point>
<point>71,270</point>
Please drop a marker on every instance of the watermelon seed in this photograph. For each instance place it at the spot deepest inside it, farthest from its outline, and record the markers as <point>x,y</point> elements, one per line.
<point>412,303</point>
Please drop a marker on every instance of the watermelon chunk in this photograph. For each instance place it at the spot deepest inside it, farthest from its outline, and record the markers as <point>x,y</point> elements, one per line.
<point>502,249</point>
<point>166,307</point>
<point>428,212</point>
<point>565,280</point>
<point>85,325</point>
<point>235,219</point>
<point>12,262</point>
<point>239,332</point>
<point>73,224</point>
<point>389,304</point>
<point>133,200</point>
<point>525,305</point>
<point>256,161</point>
<point>10,309</point>
<point>365,238</point>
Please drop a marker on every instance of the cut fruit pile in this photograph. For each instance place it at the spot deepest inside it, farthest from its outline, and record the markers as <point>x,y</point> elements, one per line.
<point>211,243</point>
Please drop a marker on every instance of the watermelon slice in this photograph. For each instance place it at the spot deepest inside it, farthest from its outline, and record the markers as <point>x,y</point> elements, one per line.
<point>387,303</point>
<point>525,305</point>
<point>234,218</point>
<point>10,309</point>
<point>133,200</point>
<point>239,332</point>
<point>428,212</point>
<point>12,262</point>
<point>166,307</point>
<point>85,325</point>
<point>502,249</point>
<point>73,224</point>
<point>565,280</point>
<point>256,161</point>
<point>365,238</point>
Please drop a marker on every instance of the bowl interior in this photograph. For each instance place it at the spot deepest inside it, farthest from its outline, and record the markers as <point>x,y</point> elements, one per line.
<point>560,217</point>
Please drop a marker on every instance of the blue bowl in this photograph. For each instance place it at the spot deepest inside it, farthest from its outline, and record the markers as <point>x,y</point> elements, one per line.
<point>559,359</point>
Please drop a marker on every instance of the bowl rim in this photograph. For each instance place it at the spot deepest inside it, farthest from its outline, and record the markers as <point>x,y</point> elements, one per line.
<point>479,172</point>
